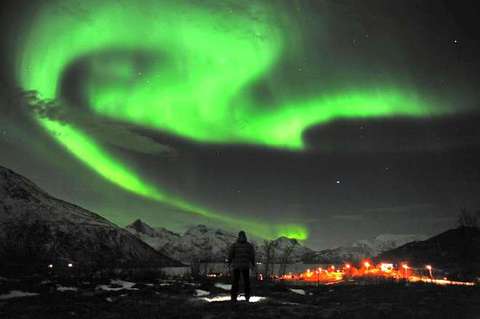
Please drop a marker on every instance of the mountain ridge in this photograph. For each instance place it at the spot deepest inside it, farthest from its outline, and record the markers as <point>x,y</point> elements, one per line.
<point>205,243</point>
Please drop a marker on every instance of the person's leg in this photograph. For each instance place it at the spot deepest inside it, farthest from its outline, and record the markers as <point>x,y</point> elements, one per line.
<point>235,280</point>
<point>246,281</point>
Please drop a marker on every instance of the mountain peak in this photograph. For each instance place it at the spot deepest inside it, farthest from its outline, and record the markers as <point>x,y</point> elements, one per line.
<point>202,230</point>
<point>288,240</point>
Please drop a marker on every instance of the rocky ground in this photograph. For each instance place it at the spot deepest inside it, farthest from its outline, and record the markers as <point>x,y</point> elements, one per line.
<point>187,299</point>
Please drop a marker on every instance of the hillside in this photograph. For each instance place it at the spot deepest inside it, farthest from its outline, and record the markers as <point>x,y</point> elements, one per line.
<point>455,250</point>
<point>37,229</point>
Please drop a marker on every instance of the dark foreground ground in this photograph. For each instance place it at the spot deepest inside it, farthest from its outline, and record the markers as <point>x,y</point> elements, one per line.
<point>176,299</point>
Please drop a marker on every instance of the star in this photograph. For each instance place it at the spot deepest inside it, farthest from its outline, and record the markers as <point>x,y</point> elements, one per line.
<point>338,181</point>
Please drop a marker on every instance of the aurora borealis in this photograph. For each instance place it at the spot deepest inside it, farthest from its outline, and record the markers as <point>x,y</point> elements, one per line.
<point>260,75</point>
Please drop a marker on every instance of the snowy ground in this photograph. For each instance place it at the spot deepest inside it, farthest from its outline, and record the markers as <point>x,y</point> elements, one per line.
<point>116,298</point>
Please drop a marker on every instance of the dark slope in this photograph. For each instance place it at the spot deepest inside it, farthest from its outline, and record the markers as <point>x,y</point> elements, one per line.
<point>456,250</point>
<point>37,229</point>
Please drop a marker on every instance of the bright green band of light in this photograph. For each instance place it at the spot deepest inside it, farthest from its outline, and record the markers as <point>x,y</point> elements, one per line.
<point>113,170</point>
<point>185,71</point>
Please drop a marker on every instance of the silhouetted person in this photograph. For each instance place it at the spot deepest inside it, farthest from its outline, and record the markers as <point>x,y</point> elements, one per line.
<point>241,257</point>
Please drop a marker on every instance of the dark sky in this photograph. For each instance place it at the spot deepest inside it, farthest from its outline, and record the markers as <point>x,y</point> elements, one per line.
<point>355,177</point>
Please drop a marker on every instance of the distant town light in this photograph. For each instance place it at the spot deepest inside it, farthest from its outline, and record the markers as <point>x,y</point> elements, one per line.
<point>50,265</point>
<point>405,266</point>
<point>347,266</point>
<point>429,267</point>
<point>70,265</point>
<point>386,267</point>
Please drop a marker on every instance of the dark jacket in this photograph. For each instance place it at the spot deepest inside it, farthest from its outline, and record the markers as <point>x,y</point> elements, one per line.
<point>241,254</point>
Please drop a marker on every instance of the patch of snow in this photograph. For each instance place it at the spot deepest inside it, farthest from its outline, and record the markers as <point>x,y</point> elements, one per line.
<point>222,298</point>
<point>62,288</point>
<point>201,293</point>
<point>223,286</point>
<point>17,294</point>
<point>127,285</point>
<point>298,291</point>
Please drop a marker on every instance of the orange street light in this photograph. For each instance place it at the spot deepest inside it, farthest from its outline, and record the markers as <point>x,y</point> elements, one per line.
<point>367,266</point>
<point>405,267</point>
<point>429,268</point>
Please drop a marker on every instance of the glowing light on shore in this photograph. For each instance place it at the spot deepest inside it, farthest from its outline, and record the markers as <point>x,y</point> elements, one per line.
<point>386,267</point>
<point>369,270</point>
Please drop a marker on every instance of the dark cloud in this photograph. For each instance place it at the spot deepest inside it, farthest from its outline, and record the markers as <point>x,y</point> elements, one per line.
<point>106,131</point>
<point>397,134</point>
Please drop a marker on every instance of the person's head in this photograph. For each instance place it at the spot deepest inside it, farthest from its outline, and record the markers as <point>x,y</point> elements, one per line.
<point>242,237</point>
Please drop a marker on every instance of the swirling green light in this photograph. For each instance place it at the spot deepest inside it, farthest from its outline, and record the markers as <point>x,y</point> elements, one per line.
<point>184,70</point>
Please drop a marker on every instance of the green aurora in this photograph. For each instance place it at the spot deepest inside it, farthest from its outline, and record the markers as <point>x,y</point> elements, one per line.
<point>186,71</point>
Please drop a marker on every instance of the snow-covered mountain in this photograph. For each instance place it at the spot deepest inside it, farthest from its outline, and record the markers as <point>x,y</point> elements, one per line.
<point>385,242</point>
<point>199,242</point>
<point>203,243</point>
<point>36,228</point>
<point>160,239</point>
<point>366,248</point>
<point>207,244</point>
<point>295,250</point>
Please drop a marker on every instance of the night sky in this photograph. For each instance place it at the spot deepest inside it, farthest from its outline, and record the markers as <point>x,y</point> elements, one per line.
<point>328,121</point>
